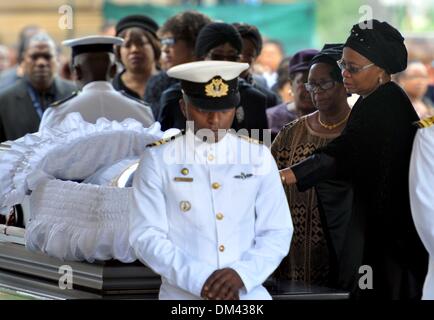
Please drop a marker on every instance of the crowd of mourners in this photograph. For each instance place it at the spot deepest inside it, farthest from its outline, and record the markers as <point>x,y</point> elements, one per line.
<point>342,123</point>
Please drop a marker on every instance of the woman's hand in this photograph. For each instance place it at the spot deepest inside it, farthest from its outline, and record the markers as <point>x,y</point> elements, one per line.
<point>287,176</point>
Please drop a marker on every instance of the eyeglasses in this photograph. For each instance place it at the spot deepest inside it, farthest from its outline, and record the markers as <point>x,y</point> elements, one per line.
<point>168,42</point>
<point>352,68</point>
<point>313,87</point>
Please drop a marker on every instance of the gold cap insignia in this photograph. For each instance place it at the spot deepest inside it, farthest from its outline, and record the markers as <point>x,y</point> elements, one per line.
<point>216,88</point>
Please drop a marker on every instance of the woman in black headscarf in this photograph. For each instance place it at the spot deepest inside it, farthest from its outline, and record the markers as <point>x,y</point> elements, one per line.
<point>219,41</point>
<point>383,256</point>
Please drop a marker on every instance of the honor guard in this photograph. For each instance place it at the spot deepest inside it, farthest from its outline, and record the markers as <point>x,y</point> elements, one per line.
<point>421,194</point>
<point>93,63</point>
<point>208,211</point>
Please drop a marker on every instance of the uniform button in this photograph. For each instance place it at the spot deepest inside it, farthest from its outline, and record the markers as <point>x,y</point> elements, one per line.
<point>219,216</point>
<point>222,248</point>
<point>210,157</point>
<point>216,185</point>
<point>185,206</point>
<point>184,171</point>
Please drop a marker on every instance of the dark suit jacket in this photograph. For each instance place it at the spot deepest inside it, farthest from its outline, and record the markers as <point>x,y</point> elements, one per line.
<point>17,114</point>
<point>258,82</point>
<point>170,114</point>
<point>272,98</point>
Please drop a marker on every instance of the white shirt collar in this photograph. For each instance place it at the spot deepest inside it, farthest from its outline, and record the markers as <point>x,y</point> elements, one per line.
<point>98,86</point>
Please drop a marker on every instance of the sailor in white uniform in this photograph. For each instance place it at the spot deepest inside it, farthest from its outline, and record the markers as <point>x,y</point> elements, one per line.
<point>210,216</point>
<point>93,62</point>
<point>422,194</point>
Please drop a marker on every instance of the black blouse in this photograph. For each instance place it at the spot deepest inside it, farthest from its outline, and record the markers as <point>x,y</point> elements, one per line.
<point>157,84</point>
<point>119,85</point>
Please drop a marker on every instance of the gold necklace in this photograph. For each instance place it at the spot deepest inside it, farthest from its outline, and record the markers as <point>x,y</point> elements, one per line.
<point>335,125</point>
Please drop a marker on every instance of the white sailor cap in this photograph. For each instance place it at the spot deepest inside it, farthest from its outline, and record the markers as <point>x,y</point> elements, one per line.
<point>92,44</point>
<point>210,85</point>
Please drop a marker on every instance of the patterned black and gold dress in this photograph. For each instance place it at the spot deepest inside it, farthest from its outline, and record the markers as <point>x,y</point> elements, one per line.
<point>308,258</point>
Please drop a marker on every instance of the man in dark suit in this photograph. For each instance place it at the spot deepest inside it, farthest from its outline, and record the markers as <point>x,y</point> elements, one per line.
<point>22,105</point>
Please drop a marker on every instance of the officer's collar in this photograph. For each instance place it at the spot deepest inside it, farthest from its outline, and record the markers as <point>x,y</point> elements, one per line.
<point>98,85</point>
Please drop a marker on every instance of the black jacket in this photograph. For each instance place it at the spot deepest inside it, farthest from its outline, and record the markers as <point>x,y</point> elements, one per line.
<point>272,98</point>
<point>373,155</point>
<point>155,87</point>
<point>17,114</point>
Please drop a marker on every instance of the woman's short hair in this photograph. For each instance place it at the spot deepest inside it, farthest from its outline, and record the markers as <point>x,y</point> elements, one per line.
<point>155,43</point>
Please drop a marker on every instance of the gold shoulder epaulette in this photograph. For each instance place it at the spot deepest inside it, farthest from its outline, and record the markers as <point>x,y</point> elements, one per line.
<point>251,140</point>
<point>425,123</point>
<point>164,141</point>
<point>59,102</point>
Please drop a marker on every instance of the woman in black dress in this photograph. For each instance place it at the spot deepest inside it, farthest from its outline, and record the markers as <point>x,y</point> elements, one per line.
<point>373,154</point>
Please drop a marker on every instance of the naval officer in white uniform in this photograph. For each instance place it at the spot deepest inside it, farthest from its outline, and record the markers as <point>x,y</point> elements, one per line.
<point>93,63</point>
<point>422,194</point>
<point>210,216</point>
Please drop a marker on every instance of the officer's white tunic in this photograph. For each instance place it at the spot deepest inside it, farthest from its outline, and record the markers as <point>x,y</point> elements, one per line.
<point>99,99</point>
<point>422,197</point>
<point>229,210</point>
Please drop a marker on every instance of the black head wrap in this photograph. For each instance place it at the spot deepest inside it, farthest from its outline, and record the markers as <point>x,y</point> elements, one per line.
<point>380,43</point>
<point>137,21</point>
<point>216,34</point>
<point>329,54</point>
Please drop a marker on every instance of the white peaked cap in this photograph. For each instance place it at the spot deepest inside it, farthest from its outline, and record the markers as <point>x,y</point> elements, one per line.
<point>89,40</point>
<point>203,71</point>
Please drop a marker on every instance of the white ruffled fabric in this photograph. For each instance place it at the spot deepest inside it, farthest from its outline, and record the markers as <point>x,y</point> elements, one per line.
<point>70,220</point>
<point>108,175</point>
<point>77,221</point>
<point>71,151</point>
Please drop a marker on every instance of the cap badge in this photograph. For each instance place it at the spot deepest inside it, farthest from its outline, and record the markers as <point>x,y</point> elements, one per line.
<point>216,88</point>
